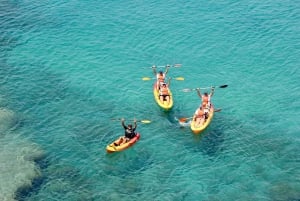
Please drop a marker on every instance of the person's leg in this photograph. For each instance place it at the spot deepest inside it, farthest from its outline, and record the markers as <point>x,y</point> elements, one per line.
<point>197,122</point>
<point>168,99</point>
<point>161,98</point>
<point>122,140</point>
<point>118,142</point>
<point>202,121</point>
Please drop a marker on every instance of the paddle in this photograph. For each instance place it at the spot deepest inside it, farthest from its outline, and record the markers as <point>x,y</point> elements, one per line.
<point>174,66</point>
<point>170,66</point>
<point>149,78</point>
<point>145,121</point>
<point>183,119</point>
<point>189,90</point>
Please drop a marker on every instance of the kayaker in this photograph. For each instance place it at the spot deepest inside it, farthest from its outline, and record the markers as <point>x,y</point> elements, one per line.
<point>206,109</point>
<point>160,76</point>
<point>205,98</point>
<point>129,132</point>
<point>184,122</point>
<point>199,117</point>
<point>164,94</point>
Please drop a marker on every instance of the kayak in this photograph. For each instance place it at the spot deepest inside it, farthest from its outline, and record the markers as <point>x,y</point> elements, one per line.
<point>164,105</point>
<point>199,129</point>
<point>114,147</point>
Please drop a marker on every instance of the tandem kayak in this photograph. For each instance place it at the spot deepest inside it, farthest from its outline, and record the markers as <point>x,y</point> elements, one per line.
<point>164,105</point>
<point>114,147</point>
<point>199,129</point>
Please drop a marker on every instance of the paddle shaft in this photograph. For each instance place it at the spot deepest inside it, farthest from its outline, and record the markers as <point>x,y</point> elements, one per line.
<point>149,78</point>
<point>189,90</point>
<point>174,66</point>
<point>142,121</point>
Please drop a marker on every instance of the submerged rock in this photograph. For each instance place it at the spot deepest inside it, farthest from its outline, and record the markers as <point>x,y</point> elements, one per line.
<point>17,166</point>
<point>7,120</point>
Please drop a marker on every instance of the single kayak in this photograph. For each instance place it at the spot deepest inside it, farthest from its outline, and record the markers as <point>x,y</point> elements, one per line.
<point>163,104</point>
<point>115,147</point>
<point>199,129</point>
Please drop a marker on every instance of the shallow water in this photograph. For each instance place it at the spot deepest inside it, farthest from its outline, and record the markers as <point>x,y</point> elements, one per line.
<point>67,68</point>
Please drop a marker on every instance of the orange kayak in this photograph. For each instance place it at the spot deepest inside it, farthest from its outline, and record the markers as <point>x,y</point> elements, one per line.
<point>114,147</point>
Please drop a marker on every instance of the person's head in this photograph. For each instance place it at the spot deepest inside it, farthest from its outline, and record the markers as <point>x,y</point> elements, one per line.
<point>205,94</point>
<point>161,73</point>
<point>164,85</point>
<point>129,126</point>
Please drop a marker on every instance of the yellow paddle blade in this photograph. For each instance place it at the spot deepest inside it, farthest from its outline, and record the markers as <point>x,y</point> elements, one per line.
<point>146,78</point>
<point>146,121</point>
<point>179,78</point>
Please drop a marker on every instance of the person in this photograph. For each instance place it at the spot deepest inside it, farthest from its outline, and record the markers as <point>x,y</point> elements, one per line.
<point>199,117</point>
<point>206,109</point>
<point>129,132</point>
<point>160,76</point>
<point>184,122</point>
<point>164,94</point>
<point>206,98</point>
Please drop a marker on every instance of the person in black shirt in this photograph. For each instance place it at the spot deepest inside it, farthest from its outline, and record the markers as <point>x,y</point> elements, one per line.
<point>129,132</point>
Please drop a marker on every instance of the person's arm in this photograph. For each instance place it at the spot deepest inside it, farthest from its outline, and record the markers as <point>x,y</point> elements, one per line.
<point>169,82</point>
<point>123,123</point>
<point>167,69</point>
<point>199,93</point>
<point>212,91</point>
<point>135,124</point>
<point>154,70</point>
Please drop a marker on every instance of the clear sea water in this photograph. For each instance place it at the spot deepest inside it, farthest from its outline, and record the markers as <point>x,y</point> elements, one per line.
<point>68,67</point>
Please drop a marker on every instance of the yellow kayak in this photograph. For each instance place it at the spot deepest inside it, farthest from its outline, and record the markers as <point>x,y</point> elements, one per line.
<point>164,105</point>
<point>115,147</point>
<point>199,129</point>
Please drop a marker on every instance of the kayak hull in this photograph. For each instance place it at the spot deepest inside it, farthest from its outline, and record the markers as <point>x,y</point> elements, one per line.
<point>199,129</point>
<point>164,105</point>
<point>111,148</point>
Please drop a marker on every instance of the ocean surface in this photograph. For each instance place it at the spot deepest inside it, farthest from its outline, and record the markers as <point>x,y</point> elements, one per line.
<point>68,67</point>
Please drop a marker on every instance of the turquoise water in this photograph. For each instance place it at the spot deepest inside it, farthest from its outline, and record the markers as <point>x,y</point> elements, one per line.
<point>68,67</point>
